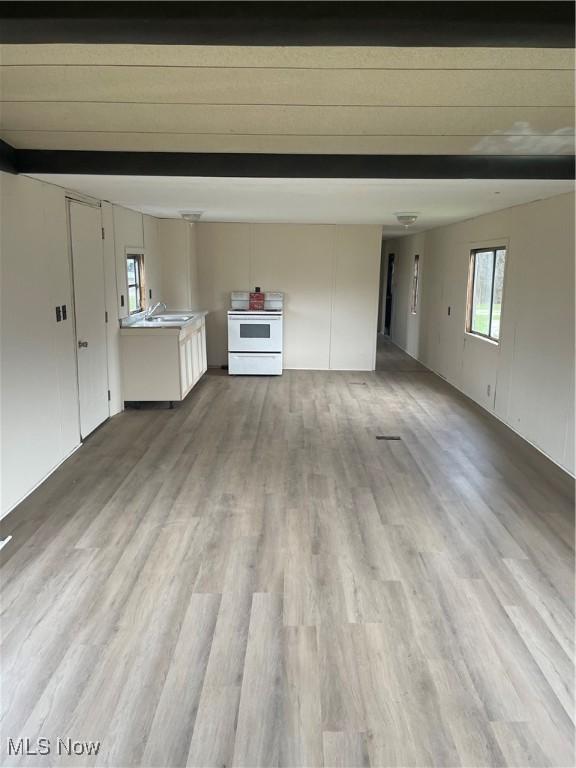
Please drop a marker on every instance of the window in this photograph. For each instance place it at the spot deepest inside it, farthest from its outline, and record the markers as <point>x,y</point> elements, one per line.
<point>415,277</point>
<point>485,286</point>
<point>136,292</point>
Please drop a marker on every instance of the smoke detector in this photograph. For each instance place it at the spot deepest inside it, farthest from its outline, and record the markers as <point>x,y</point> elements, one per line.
<point>191,215</point>
<point>406,219</point>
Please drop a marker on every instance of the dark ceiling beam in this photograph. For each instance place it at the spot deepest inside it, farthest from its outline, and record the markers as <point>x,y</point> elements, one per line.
<point>295,166</point>
<point>7,158</point>
<point>504,24</point>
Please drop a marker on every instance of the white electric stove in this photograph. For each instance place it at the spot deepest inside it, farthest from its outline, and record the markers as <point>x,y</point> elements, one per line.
<point>255,337</point>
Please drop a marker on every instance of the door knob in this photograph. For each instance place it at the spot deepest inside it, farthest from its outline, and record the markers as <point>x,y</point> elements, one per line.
<point>82,344</point>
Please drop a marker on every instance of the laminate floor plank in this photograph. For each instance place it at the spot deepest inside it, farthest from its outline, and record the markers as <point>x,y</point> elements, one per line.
<point>260,714</point>
<point>301,729</point>
<point>253,579</point>
<point>555,664</point>
<point>214,734</point>
<point>169,737</point>
<point>345,750</point>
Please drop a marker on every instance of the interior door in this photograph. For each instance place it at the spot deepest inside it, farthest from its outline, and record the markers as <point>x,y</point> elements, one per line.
<point>89,308</point>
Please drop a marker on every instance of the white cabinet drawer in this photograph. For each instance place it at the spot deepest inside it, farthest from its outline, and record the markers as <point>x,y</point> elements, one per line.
<point>254,364</point>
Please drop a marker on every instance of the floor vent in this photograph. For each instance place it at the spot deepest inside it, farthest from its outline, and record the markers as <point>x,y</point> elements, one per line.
<point>388,437</point>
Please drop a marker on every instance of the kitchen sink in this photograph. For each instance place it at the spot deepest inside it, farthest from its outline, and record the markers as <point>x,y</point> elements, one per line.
<point>169,318</point>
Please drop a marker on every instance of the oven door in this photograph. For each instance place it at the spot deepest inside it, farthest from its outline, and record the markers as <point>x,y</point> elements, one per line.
<point>251,333</point>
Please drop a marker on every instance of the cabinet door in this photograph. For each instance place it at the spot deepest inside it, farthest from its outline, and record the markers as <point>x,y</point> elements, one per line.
<point>204,361</point>
<point>184,379</point>
<point>187,364</point>
<point>190,360</point>
<point>182,358</point>
<point>196,356</point>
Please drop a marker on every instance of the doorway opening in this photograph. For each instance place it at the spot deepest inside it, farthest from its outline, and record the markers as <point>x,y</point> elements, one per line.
<point>388,357</point>
<point>388,297</point>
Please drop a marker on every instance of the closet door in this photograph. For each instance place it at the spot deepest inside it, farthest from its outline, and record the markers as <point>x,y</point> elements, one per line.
<point>89,310</point>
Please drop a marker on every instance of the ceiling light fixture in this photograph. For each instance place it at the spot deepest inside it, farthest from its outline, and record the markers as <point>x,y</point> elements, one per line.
<point>191,216</point>
<point>406,219</point>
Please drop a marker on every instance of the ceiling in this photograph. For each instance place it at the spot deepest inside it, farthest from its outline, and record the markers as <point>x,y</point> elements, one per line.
<point>356,201</point>
<point>307,100</point>
<point>334,100</point>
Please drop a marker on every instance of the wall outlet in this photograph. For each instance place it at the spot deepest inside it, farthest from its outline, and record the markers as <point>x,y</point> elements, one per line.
<point>488,389</point>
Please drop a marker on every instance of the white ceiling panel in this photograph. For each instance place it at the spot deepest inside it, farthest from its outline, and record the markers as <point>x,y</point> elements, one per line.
<point>288,99</point>
<point>349,57</point>
<point>282,120</point>
<point>403,87</point>
<point>437,202</point>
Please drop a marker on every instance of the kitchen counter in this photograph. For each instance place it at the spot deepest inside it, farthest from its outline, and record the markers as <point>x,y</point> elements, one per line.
<point>171,319</point>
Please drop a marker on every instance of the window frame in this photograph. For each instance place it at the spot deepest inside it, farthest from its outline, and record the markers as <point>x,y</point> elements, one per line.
<point>415,284</point>
<point>470,289</point>
<point>138,258</point>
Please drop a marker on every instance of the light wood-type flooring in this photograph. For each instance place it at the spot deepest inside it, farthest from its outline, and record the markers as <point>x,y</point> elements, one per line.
<point>253,579</point>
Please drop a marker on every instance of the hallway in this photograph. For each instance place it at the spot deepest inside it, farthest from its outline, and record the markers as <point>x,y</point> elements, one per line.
<point>389,357</point>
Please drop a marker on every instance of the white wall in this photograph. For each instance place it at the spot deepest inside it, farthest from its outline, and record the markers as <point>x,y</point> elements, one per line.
<point>223,252</point>
<point>177,244</point>
<point>530,374</point>
<point>128,233</point>
<point>329,275</point>
<point>38,366</point>
<point>152,260</point>
<point>355,298</point>
<point>38,355</point>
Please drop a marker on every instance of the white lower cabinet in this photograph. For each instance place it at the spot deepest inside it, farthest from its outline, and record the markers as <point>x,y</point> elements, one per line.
<point>163,363</point>
<point>192,357</point>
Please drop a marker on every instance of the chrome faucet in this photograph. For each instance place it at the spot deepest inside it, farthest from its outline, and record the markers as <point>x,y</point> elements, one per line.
<point>150,311</point>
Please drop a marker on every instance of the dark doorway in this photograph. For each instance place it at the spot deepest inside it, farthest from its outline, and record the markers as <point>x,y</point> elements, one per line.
<point>388,307</point>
